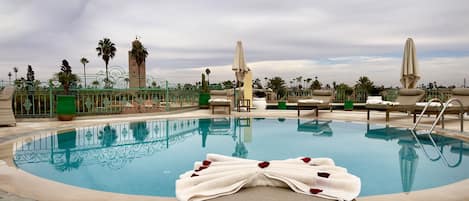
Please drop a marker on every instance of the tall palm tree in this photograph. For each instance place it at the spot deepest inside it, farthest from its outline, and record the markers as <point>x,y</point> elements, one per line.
<point>207,71</point>
<point>127,80</point>
<point>140,53</point>
<point>107,50</point>
<point>9,77</point>
<point>84,61</point>
<point>15,69</point>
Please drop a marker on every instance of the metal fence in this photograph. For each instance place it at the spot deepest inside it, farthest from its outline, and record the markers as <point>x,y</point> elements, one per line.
<point>41,100</point>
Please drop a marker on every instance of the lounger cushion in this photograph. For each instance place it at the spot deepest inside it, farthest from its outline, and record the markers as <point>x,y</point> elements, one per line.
<point>322,93</point>
<point>461,91</point>
<point>411,92</point>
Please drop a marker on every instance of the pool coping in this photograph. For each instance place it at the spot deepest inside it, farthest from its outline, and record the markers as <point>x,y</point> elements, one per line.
<point>16,181</point>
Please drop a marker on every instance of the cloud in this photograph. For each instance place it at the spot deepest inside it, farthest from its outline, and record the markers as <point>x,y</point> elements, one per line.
<point>324,39</point>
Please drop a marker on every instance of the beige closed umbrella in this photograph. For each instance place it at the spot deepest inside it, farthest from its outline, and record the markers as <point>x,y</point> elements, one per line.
<point>239,65</point>
<point>410,68</point>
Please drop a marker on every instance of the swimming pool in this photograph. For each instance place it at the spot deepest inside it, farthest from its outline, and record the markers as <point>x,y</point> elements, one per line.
<point>147,157</point>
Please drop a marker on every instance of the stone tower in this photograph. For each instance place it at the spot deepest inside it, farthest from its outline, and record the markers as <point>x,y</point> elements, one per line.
<point>137,78</point>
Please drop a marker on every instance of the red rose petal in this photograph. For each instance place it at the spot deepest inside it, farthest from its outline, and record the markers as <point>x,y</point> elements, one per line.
<point>323,174</point>
<point>314,190</point>
<point>194,175</point>
<point>206,162</point>
<point>306,159</point>
<point>263,164</point>
<point>201,168</point>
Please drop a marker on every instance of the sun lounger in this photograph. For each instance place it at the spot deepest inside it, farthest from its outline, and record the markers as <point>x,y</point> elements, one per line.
<point>461,94</point>
<point>219,98</point>
<point>319,99</point>
<point>6,111</point>
<point>405,102</point>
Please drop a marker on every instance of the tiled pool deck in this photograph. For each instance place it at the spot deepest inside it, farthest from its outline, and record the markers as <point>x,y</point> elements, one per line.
<point>16,184</point>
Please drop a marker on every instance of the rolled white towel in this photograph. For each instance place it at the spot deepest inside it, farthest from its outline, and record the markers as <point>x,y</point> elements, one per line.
<point>374,101</point>
<point>432,104</point>
<point>220,175</point>
<point>310,101</point>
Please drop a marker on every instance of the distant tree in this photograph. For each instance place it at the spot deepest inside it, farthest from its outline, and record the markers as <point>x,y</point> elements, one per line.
<point>127,80</point>
<point>30,74</point>
<point>66,77</point>
<point>334,84</point>
<point>95,83</point>
<point>343,91</point>
<point>316,84</point>
<point>84,61</point>
<point>298,80</point>
<point>364,83</point>
<point>107,50</point>
<point>227,84</point>
<point>207,71</point>
<point>9,77</point>
<point>277,84</point>
<point>153,84</point>
<point>140,53</point>
<point>266,81</point>
<point>15,70</point>
<point>308,81</point>
<point>257,83</point>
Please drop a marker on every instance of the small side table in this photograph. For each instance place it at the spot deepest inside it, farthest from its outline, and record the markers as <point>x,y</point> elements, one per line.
<point>246,103</point>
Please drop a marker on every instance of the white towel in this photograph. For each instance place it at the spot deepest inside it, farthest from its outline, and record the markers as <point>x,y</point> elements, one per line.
<point>218,100</point>
<point>382,102</point>
<point>432,104</point>
<point>220,175</point>
<point>310,101</point>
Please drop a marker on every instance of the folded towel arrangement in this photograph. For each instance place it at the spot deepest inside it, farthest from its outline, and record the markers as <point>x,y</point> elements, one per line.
<point>220,175</point>
<point>310,101</point>
<point>218,100</point>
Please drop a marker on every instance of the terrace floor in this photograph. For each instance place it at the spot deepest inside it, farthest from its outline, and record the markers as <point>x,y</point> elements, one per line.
<point>16,184</point>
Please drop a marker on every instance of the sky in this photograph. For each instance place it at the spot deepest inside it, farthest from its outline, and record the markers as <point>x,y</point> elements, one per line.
<point>331,40</point>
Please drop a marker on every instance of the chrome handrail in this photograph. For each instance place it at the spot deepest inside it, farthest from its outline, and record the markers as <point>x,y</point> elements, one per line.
<point>461,114</point>
<point>425,109</point>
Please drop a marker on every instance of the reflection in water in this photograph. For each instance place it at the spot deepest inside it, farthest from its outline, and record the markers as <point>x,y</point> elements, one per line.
<point>139,130</point>
<point>107,136</point>
<point>315,127</point>
<point>67,141</point>
<point>408,157</point>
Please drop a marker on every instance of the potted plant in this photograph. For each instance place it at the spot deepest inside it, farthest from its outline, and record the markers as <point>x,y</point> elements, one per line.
<point>66,103</point>
<point>282,103</point>
<point>204,94</point>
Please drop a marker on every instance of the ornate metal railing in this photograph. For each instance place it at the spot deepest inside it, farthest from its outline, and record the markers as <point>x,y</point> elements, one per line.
<point>40,100</point>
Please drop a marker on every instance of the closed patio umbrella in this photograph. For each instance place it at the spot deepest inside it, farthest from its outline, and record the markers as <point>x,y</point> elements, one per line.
<point>239,65</point>
<point>410,68</point>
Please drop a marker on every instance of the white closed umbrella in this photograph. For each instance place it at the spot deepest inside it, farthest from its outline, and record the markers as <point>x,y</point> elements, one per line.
<point>410,68</point>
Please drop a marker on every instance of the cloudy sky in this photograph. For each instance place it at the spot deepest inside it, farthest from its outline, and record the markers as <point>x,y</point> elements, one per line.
<point>333,40</point>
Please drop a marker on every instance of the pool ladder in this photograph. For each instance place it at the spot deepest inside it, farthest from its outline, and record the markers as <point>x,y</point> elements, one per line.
<point>440,116</point>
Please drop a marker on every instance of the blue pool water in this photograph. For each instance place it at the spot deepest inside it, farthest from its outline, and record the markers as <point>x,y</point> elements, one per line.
<point>147,157</point>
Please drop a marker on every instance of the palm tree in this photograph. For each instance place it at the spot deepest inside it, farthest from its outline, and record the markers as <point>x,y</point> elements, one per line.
<point>9,77</point>
<point>107,50</point>
<point>15,69</point>
<point>364,83</point>
<point>277,84</point>
<point>84,61</point>
<point>207,71</point>
<point>140,53</point>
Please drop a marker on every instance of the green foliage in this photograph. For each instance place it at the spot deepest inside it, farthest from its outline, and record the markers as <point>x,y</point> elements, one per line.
<point>316,85</point>
<point>364,83</point>
<point>277,84</point>
<point>227,84</point>
<point>66,77</point>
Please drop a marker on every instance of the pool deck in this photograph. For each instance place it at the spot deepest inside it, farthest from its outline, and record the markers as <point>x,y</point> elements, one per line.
<point>16,184</point>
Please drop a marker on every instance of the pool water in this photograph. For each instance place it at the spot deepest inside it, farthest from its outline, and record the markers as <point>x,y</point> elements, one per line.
<point>147,157</point>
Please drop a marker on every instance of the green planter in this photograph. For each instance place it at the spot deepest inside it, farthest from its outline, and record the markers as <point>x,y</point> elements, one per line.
<point>203,100</point>
<point>66,107</point>
<point>348,105</point>
<point>282,105</point>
